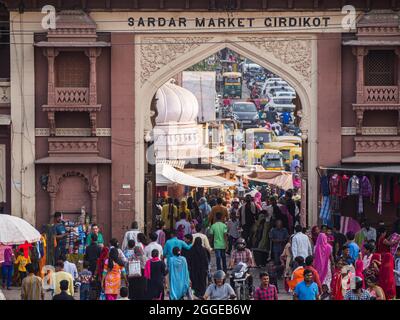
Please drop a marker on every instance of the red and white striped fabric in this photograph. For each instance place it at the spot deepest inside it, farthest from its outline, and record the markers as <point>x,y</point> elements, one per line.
<point>349,224</point>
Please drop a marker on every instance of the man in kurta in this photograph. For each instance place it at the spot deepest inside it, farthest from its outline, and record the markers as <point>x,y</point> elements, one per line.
<point>31,288</point>
<point>169,214</point>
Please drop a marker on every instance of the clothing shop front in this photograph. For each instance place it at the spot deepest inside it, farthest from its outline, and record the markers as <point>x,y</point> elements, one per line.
<point>354,193</point>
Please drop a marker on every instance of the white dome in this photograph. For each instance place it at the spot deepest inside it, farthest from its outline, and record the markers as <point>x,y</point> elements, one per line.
<point>176,104</point>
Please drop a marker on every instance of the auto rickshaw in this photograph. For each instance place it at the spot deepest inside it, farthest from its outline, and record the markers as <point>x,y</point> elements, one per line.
<point>270,159</point>
<point>288,150</point>
<point>255,138</point>
<point>289,139</point>
<point>232,84</point>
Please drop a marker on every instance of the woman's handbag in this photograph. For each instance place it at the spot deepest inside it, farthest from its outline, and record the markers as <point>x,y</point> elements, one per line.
<point>134,269</point>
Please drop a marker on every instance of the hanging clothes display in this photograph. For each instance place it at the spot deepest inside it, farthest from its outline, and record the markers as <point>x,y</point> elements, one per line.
<point>324,186</point>
<point>344,181</point>
<point>373,193</point>
<point>365,187</point>
<point>386,189</point>
<point>379,208</point>
<point>325,213</point>
<point>353,187</point>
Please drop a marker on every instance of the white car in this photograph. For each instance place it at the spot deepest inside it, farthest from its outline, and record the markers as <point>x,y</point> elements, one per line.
<point>285,94</point>
<point>282,103</point>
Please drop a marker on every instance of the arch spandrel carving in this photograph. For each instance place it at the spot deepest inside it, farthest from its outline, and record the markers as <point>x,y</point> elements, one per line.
<point>156,52</point>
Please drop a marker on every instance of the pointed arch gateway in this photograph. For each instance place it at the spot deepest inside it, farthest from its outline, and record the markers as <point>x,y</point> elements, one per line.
<point>160,57</point>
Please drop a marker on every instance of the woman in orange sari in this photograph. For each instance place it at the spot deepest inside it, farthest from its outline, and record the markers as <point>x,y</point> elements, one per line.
<point>113,269</point>
<point>297,274</point>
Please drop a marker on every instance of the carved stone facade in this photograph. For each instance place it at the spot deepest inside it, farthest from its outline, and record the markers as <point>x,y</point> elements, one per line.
<point>157,52</point>
<point>373,145</point>
<point>290,51</point>
<point>73,146</point>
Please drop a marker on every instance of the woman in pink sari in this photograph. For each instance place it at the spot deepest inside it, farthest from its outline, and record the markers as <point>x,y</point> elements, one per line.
<point>360,268</point>
<point>323,258</point>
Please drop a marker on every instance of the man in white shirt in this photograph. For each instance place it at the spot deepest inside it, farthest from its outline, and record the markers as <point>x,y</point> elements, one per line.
<point>203,237</point>
<point>369,232</point>
<point>70,268</point>
<point>153,245</point>
<point>183,222</point>
<point>130,235</point>
<point>301,246</point>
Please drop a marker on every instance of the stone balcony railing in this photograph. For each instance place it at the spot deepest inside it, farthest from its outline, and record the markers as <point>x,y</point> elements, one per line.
<point>69,146</point>
<point>381,94</point>
<point>5,97</point>
<point>72,95</point>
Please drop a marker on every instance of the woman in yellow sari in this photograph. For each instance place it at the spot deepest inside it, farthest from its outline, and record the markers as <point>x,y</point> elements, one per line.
<point>183,208</point>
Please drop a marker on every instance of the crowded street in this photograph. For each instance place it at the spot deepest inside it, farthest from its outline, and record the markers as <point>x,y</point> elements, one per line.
<point>174,150</point>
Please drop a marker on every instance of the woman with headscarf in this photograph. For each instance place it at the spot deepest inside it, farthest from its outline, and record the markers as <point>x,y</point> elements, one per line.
<point>197,260</point>
<point>113,269</point>
<point>315,231</point>
<point>323,258</point>
<point>155,272</point>
<point>179,281</point>
<point>204,209</point>
<point>100,262</point>
<point>383,244</point>
<point>359,266</point>
<point>287,259</point>
<point>374,266</point>
<point>386,276</point>
<point>184,209</point>
<point>137,283</point>
<point>336,283</point>
<point>257,200</point>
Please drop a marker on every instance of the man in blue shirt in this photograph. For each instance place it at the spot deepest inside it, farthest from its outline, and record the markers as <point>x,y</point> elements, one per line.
<point>307,289</point>
<point>172,243</point>
<point>353,247</point>
<point>61,236</point>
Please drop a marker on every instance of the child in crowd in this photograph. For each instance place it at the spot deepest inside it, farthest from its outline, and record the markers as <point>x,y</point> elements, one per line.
<point>21,263</point>
<point>233,231</point>
<point>326,295</point>
<point>123,292</point>
<point>85,278</point>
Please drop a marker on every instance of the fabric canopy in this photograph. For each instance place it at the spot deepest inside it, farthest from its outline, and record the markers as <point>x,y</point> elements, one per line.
<point>14,230</point>
<point>169,175</point>
<point>281,179</point>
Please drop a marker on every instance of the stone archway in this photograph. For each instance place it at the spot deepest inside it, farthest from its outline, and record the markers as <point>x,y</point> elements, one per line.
<point>294,58</point>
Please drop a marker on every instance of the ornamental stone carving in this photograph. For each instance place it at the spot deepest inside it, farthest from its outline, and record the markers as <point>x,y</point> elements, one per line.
<point>293,52</point>
<point>377,145</point>
<point>156,52</point>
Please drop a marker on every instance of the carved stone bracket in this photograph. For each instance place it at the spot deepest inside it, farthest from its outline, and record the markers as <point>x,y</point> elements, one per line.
<point>93,123</point>
<point>360,118</point>
<point>52,123</point>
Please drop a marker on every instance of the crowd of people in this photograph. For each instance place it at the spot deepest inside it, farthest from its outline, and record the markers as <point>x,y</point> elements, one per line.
<point>174,260</point>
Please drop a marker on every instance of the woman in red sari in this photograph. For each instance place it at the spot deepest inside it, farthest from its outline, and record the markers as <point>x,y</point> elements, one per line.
<point>359,269</point>
<point>336,283</point>
<point>100,262</point>
<point>386,276</point>
<point>383,244</point>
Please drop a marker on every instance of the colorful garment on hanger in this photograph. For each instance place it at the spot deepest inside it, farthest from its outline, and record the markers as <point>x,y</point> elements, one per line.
<point>349,224</point>
<point>344,181</point>
<point>334,185</point>
<point>25,247</point>
<point>334,203</point>
<point>379,208</point>
<point>373,194</point>
<point>325,212</point>
<point>360,205</point>
<point>324,185</point>
<point>353,187</point>
<point>365,187</point>
<point>386,189</point>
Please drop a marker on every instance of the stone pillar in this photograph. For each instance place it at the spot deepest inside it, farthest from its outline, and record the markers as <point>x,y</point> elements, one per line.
<point>397,51</point>
<point>92,54</point>
<point>52,196</point>
<point>93,198</point>
<point>360,52</point>
<point>51,54</point>
<point>22,74</point>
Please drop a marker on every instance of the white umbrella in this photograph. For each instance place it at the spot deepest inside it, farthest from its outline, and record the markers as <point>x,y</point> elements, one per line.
<point>14,230</point>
